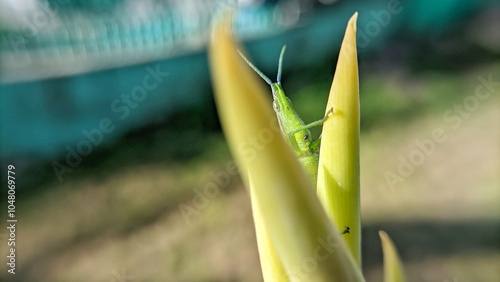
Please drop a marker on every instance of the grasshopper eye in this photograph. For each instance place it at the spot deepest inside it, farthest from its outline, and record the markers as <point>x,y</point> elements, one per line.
<point>276,106</point>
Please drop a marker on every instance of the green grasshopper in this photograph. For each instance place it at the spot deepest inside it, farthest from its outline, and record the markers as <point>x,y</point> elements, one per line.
<point>295,131</point>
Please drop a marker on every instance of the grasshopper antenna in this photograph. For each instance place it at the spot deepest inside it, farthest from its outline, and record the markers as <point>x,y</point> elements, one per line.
<point>280,64</point>
<point>256,70</point>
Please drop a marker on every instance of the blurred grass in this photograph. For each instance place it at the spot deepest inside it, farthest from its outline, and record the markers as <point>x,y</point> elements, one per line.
<point>119,212</point>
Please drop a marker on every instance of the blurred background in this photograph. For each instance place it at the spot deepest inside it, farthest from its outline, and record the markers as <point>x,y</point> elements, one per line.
<point>107,114</point>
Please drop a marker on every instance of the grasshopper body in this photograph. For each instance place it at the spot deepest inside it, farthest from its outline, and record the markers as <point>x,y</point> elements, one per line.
<point>295,131</point>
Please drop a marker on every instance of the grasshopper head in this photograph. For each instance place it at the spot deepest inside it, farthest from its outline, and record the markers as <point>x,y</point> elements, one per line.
<point>276,87</point>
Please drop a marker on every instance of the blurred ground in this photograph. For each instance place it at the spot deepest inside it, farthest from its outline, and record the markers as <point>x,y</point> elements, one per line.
<point>119,218</point>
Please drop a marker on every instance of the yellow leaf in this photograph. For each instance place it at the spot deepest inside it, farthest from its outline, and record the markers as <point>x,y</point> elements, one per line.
<point>338,170</point>
<point>307,244</point>
<point>393,267</point>
<point>272,268</point>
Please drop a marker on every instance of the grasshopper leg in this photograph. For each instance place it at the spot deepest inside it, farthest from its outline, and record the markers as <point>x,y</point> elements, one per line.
<point>312,124</point>
<point>315,144</point>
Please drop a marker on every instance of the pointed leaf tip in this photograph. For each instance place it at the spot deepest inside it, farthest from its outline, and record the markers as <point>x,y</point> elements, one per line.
<point>353,21</point>
<point>338,171</point>
<point>393,266</point>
